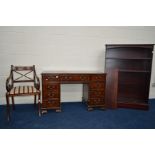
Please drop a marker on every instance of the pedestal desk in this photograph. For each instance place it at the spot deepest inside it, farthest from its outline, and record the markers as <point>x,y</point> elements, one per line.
<point>93,88</point>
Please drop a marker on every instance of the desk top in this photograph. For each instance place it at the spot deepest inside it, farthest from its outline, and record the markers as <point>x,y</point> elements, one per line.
<point>71,72</point>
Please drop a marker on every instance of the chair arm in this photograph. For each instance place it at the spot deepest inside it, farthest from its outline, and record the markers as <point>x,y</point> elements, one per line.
<point>9,83</point>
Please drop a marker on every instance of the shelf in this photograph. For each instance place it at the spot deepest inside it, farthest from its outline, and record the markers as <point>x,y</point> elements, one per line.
<point>138,105</point>
<point>134,71</point>
<point>129,58</point>
<point>130,100</point>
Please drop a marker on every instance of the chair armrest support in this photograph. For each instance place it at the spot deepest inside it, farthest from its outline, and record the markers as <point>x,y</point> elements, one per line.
<point>36,81</point>
<point>9,83</point>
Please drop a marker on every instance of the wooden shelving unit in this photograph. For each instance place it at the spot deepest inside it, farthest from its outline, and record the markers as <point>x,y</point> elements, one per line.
<point>131,67</point>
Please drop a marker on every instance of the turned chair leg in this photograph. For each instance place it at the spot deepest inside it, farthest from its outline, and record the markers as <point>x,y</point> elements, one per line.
<point>7,108</point>
<point>13,103</point>
<point>39,105</point>
<point>34,100</point>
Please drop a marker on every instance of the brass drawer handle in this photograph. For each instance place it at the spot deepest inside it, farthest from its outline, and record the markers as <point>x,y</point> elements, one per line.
<point>50,87</point>
<point>98,77</point>
<point>83,78</point>
<point>50,94</point>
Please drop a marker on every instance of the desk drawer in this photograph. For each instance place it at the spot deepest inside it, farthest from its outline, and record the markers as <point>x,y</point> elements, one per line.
<point>50,78</point>
<point>96,94</point>
<point>51,103</point>
<point>51,87</point>
<point>74,78</point>
<point>98,77</point>
<point>51,94</point>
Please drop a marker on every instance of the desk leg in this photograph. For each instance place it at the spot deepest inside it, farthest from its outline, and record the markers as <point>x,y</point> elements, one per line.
<point>43,111</point>
<point>39,105</point>
<point>58,110</point>
<point>103,108</point>
<point>90,108</point>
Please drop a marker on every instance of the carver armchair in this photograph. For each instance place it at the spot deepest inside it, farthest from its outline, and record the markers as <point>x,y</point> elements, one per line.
<point>22,81</point>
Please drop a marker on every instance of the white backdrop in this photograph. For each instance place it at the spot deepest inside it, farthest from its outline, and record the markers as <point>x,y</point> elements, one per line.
<point>65,48</point>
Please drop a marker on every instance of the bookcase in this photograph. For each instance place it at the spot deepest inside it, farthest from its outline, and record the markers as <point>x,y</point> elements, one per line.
<point>128,69</point>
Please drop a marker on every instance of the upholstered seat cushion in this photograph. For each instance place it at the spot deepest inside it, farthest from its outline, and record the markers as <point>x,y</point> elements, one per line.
<point>23,90</point>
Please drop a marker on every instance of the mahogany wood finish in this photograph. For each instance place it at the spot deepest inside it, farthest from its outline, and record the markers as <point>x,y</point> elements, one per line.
<point>111,88</point>
<point>26,74</point>
<point>93,89</point>
<point>128,70</point>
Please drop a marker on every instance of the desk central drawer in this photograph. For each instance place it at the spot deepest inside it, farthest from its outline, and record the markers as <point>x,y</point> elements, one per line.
<point>74,78</point>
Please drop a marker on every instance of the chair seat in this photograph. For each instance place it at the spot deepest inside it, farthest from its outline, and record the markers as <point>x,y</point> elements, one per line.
<point>23,90</point>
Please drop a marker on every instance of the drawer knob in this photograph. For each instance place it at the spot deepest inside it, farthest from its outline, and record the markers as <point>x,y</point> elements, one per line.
<point>46,79</point>
<point>56,76</point>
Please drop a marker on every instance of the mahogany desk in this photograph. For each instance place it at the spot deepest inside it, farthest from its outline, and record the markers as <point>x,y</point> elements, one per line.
<point>93,88</point>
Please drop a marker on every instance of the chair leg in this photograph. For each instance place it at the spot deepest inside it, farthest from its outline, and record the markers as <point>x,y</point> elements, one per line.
<point>34,100</point>
<point>13,103</point>
<point>39,105</point>
<point>7,108</point>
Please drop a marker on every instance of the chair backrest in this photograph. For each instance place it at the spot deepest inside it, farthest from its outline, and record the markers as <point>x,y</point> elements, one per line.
<point>23,73</point>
